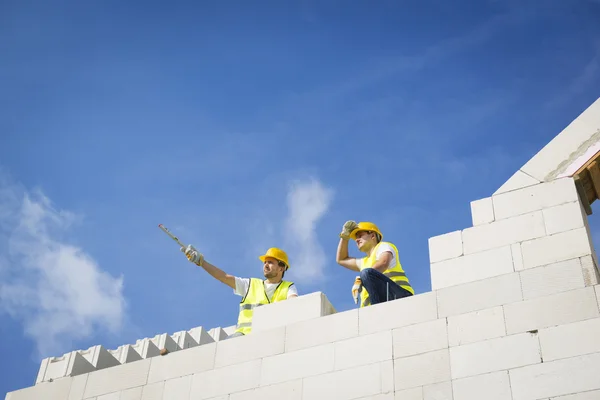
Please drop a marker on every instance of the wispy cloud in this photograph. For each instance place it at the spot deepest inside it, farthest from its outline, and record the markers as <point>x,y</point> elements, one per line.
<point>307,201</point>
<point>57,290</point>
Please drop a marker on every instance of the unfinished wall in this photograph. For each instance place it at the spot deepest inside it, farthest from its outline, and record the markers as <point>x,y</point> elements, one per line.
<point>514,314</point>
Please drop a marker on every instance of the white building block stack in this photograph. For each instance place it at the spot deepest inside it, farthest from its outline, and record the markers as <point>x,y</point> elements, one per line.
<point>484,339</point>
<point>540,231</point>
<point>514,315</point>
<point>571,148</point>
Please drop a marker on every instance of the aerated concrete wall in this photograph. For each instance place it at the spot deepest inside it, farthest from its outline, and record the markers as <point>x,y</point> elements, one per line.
<point>514,314</point>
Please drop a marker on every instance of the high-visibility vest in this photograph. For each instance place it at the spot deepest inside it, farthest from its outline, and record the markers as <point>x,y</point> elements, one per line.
<point>395,273</point>
<point>257,297</point>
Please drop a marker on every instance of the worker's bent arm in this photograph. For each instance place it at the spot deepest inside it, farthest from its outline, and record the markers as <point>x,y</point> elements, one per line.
<point>383,262</point>
<point>218,274</point>
<point>342,258</point>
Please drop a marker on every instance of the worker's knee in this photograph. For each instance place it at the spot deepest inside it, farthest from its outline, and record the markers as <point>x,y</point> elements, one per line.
<point>367,274</point>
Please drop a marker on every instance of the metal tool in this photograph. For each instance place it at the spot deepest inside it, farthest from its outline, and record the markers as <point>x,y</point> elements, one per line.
<point>175,238</point>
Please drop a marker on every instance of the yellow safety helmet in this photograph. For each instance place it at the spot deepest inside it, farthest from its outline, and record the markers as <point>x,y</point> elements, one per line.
<point>365,226</point>
<point>277,254</point>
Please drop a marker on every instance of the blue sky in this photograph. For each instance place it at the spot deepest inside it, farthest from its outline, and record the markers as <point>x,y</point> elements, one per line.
<point>244,126</point>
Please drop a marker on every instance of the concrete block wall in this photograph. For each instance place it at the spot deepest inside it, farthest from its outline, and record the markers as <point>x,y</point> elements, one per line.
<point>480,340</point>
<point>514,314</point>
<point>540,231</point>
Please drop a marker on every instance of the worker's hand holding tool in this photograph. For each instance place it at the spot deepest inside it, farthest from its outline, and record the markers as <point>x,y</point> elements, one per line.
<point>193,255</point>
<point>348,227</point>
<point>356,289</point>
<point>190,251</point>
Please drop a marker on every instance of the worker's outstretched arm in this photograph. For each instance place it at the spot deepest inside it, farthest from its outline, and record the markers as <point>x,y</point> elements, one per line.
<point>216,273</point>
<point>342,258</point>
<point>197,258</point>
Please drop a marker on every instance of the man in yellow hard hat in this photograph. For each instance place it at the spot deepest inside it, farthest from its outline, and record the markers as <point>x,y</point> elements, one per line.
<point>381,273</point>
<point>254,292</point>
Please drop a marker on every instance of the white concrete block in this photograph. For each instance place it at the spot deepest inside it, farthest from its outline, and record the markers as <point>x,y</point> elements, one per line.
<point>181,363</point>
<point>178,388</point>
<point>409,394</point>
<point>591,275</point>
<point>198,335</point>
<point>56,390</point>
<point>591,395</point>
<point>362,350</point>
<point>69,364</point>
<point>556,378</point>
<point>229,330</point>
<point>570,340</point>
<point>517,181</point>
<point>482,211</point>
<point>551,249</point>
<point>422,369</point>
<point>153,391</point>
<point>597,289</point>
<point>78,387</point>
<point>301,308</point>
<point>291,390</point>
<point>218,334</point>
<point>420,338</point>
<point>493,386</point>
<point>298,364</point>
<point>476,326</point>
<point>534,198</point>
<point>387,376</point>
<point>132,394</point>
<point>503,232</point>
<point>397,313</point>
<point>146,348</point>
<point>110,396</point>
<point>165,341</point>
<point>489,293</point>
<point>559,277</point>
<point>226,380</point>
<point>557,309</point>
<point>445,247</point>
<point>125,354</point>
<point>255,345</point>
<point>384,396</point>
<point>117,378</point>
<point>330,328</point>
<point>494,355</point>
<point>517,256</point>
<point>581,133</point>
<point>472,267</point>
<point>347,384</point>
<point>564,217</point>
<point>99,357</point>
<point>438,391</point>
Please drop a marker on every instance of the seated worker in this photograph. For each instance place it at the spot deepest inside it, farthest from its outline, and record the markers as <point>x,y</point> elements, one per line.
<point>255,292</point>
<point>381,273</point>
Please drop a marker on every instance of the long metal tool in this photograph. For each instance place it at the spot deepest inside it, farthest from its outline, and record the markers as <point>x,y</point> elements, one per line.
<point>168,232</point>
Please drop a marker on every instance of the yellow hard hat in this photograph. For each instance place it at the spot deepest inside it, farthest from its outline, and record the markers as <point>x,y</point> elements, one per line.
<point>365,226</point>
<point>277,254</point>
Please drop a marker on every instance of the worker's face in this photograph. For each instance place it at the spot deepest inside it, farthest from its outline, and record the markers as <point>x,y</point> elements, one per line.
<point>365,240</point>
<point>271,268</point>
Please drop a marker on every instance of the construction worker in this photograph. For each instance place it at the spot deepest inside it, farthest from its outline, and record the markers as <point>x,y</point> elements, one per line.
<point>254,292</point>
<point>381,275</point>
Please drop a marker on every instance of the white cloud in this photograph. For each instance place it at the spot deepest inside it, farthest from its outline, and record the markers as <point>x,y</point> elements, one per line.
<point>55,289</point>
<point>307,202</point>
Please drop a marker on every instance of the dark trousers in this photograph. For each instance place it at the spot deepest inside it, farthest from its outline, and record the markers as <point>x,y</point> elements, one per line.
<point>380,287</point>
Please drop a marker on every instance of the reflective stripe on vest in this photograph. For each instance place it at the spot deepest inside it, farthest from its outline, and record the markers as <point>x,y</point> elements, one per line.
<point>256,297</point>
<point>395,273</point>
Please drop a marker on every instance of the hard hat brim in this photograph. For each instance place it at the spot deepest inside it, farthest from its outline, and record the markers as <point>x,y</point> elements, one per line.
<point>264,257</point>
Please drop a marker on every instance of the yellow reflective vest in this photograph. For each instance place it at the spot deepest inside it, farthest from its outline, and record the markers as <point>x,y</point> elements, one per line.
<point>395,273</point>
<point>256,297</point>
